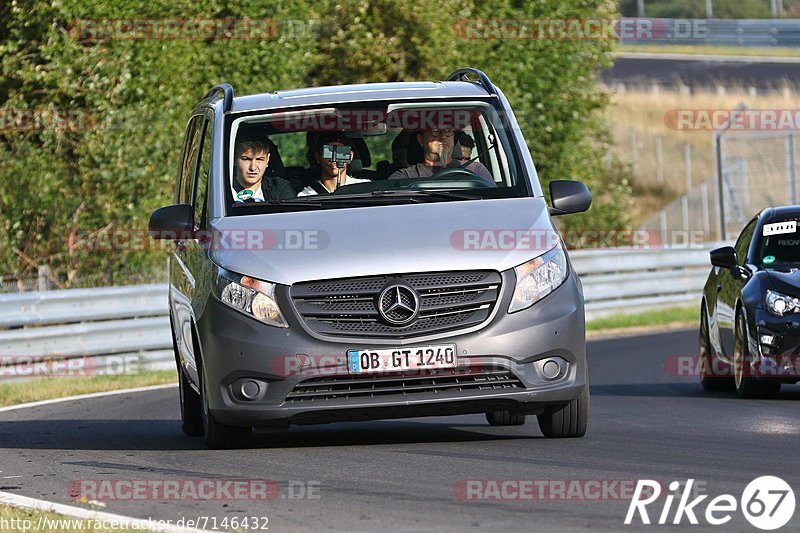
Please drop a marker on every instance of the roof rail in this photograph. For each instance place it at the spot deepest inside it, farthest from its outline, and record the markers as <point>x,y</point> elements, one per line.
<point>462,75</point>
<point>227,90</point>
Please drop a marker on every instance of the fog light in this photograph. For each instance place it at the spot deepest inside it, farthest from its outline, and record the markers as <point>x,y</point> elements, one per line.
<point>767,339</point>
<point>248,389</point>
<point>551,369</point>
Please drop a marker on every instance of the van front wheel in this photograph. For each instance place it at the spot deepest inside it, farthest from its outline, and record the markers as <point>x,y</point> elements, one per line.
<point>566,421</point>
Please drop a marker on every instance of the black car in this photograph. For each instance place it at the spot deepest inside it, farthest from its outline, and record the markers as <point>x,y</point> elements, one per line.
<point>750,313</point>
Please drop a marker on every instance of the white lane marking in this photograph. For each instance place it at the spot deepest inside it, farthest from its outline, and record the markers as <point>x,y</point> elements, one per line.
<point>85,397</point>
<point>701,57</point>
<point>11,477</point>
<point>127,522</point>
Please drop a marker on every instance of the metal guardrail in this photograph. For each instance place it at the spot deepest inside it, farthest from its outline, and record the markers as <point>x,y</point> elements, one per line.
<point>108,328</point>
<point>630,281</point>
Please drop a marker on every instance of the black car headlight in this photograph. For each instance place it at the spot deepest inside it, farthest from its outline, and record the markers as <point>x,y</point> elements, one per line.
<point>250,296</point>
<point>780,304</point>
<point>538,277</point>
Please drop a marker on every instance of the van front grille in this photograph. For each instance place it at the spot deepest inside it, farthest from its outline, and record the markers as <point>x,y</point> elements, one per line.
<point>448,301</point>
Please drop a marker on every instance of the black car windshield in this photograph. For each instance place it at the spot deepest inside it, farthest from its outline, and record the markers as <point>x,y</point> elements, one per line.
<point>780,245</point>
<point>352,156</point>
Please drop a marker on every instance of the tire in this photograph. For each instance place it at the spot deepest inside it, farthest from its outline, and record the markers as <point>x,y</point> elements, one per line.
<point>191,408</point>
<point>748,387</point>
<point>219,436</point>
<point>567,421</point>
<point>504,418</point>
<point>708,379</point>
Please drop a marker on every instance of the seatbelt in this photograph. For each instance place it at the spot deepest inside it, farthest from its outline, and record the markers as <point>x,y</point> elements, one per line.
<point>319,188</point>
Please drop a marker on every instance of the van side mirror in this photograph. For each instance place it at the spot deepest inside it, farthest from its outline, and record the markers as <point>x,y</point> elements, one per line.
<point>569,196</point>
<point>174,222</point>
<point>724,257</point>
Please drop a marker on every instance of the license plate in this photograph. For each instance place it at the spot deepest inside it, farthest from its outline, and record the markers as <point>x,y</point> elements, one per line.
<point>400,359</point>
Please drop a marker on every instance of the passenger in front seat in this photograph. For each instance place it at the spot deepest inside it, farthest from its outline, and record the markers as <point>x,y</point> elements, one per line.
<point>251,159</point>
<point>329,172</point>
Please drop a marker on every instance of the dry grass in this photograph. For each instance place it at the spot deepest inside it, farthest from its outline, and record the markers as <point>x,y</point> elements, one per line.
<point>644,111</point>
<point>16,519</point>
<point>23,391</point>
<point>709,50</point>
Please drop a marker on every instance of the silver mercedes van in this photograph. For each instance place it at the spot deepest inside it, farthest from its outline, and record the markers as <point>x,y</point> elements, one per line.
<point>367,252</point>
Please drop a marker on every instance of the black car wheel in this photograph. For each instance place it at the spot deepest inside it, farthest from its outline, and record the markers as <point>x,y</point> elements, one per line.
<point>568,420</point>
<point>748,386</point>
<point>708,379</point>
<point>219,436</point>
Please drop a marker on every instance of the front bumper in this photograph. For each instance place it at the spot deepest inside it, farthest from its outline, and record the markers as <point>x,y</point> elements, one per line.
<point>776,340</point>
<point>235,347</point>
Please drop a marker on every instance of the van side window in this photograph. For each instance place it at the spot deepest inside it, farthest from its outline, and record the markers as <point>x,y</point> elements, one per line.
<point>203,169</point>
<point>189,160</point>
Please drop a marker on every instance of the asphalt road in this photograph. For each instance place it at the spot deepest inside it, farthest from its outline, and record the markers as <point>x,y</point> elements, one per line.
<point>400,475</point>
<point>698,72</point>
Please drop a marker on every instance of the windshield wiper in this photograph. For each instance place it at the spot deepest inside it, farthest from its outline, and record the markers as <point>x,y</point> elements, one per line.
<point>411,195</point>
<point>356,198</point>
<point>438,193</point>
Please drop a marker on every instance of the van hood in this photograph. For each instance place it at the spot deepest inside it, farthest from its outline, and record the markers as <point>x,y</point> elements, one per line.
<point>287,248</point>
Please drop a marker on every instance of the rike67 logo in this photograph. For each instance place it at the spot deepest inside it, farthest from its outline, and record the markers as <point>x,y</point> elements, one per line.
<point>767,503</point>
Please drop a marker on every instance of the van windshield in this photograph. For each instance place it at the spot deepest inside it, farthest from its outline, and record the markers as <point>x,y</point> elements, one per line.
<point>352,156</point>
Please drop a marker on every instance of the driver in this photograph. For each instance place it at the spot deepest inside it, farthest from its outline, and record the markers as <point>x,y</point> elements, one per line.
<point>437,148</point>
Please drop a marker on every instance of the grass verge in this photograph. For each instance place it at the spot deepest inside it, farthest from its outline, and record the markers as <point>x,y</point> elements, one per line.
<point>18,519</point>
<point>671,316</point>
<point>32,390</point>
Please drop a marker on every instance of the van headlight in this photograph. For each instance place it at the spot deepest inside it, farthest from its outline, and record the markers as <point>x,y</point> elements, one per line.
<point>538,277</point>
<point>250,296</point>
